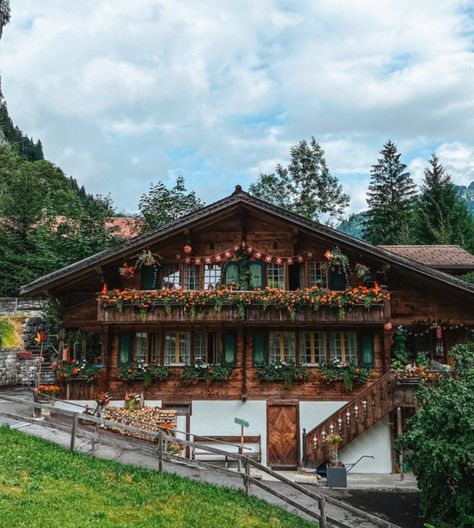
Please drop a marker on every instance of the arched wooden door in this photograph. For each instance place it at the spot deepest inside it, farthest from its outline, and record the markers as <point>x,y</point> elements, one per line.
<point>282,435</point>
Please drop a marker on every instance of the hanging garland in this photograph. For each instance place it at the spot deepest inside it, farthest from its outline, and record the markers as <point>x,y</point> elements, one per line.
<point>438,328</point>
<point>250,250</point>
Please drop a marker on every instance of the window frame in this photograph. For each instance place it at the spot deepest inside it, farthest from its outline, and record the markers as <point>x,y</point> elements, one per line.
<point>281,350</point>
<point>177,268</point>
<point>178,353</point>
<point>207,282</point>
<point>323,266</point>
<point>278,268</point>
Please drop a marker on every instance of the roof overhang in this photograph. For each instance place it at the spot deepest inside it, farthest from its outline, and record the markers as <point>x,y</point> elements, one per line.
<point>45,284</point>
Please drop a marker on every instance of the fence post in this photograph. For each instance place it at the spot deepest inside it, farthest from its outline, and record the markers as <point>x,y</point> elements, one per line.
<point>160,450</point>
<point>246,476</point>
<point>303,451</point>
<point>73,431</point>
<point>322,512</point>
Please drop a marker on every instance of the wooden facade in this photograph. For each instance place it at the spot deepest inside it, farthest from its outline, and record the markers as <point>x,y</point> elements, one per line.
<point>247,338</point>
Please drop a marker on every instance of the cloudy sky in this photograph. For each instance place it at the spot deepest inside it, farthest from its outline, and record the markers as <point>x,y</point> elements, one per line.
<point>123,93</point>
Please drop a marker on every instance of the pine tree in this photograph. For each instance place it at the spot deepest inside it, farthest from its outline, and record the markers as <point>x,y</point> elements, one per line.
<point>390,198</point>
<point>306,186</point>
<point>442,216</point>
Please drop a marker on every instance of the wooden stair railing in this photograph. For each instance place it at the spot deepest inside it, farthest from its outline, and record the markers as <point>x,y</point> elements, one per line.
<point>353,418</point>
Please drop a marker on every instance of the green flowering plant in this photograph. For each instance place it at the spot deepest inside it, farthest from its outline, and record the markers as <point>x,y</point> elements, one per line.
<point>349,373</point>
<point>208,372</point>
<point>284,372</point>
<point>75,370</point>
<point>147,371</point>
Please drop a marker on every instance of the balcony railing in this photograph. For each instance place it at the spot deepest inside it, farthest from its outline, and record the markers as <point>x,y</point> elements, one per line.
<point>361,305</point>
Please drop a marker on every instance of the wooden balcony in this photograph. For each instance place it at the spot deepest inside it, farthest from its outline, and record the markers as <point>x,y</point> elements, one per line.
<point>158,313</point>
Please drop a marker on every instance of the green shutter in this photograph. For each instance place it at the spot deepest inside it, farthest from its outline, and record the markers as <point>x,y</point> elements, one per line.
<point>258,349</point>
<point>337,279</point>
<point>147,278</point>
<point>229,342</point>
<point>256,275</point>
<point>125,349</point>
<point>367,356</point>
<point>231,272</point>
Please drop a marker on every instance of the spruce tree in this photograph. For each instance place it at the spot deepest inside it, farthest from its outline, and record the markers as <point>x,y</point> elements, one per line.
<point>306,186</point>
<point>442,215</point>
<point>390,198</point>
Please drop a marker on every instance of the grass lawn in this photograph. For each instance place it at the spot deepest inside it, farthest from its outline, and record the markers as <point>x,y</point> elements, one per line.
<point>45,486</point>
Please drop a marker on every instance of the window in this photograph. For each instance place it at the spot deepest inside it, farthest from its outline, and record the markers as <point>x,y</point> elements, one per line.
<point>155,348</point>
<point>312,348</point>
<point>191,277</point>
<point>337,278</point>
<point>200,347</point>
<point>256,275</point>
<point>317,274</point>
<point>229,349</point>
<point>343,347</point>
<point>212,275</point>
<point>177,348</point>
<point>141,346</point>
<point>170,276</point>
<point>231,275</point>
<point>281,347</point>
<point>276,276</point>
<point>147,277</point>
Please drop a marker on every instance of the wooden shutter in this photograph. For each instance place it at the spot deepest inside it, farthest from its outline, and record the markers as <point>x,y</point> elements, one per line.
<point>258,349</point>
<point>147,278</point>
<point>125,349</point>
<point>256,275</point>
<point>229,347</point>
<point>337,279</point>
<point>231,272</point>
<point>367,350</point>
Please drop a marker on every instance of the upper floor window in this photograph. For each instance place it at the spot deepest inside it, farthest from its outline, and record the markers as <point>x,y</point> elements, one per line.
<point>317,274</point>
<point>191,277</point>
<point>212,275</point>
<point>170,276</point>
<point>281,347</point>
<point>276,276</point>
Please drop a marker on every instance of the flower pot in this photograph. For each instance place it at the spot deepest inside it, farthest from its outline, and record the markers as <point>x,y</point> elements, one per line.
<point>336,477</point>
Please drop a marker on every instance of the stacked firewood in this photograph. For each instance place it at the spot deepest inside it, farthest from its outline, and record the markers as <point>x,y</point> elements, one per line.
<point>148,418</point>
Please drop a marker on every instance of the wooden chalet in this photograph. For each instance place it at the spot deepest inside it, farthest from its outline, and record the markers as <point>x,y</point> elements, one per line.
<point>234,310</point>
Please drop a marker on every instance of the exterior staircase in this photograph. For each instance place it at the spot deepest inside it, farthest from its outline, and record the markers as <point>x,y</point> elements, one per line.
<point>356,416</point>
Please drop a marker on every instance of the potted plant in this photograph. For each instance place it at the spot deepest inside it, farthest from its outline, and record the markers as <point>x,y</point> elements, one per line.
<point>336,472</point>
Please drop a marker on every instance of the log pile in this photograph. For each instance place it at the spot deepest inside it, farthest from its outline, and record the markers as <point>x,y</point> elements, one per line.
<point>148,418</point>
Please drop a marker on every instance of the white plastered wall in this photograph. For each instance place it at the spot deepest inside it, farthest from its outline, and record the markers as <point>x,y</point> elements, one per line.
<point>375,441</point>
<point>210,417</point>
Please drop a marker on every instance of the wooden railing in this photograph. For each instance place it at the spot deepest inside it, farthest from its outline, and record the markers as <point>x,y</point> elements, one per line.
<point>357,416</point>
<point>358,313</point>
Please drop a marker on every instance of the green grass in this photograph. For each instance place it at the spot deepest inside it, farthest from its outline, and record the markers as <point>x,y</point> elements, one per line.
<point>45,486</point>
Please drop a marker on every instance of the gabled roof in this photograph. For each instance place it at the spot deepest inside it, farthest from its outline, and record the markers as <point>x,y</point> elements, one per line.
<point>440,256</point>
<point>239,197</point>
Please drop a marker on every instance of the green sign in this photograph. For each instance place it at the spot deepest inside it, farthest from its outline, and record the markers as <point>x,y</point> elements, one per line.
<point>241,422</point>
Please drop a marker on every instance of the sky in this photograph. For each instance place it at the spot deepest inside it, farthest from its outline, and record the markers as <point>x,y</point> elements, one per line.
<point>125,93</point>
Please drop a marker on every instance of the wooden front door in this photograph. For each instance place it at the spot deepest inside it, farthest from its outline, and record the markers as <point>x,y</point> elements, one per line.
<point>282,435</point>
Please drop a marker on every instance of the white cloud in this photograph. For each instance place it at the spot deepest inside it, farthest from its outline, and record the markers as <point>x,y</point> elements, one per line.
<point>219,91</point>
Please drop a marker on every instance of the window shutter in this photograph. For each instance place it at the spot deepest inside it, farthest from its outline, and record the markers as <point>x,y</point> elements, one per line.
<point>337,279</point>
<point>256,275</point>
<point>367,356</point>
<point>258,349</point>
<point>229,342</point>
<point>231,272</point>
<point>147,278</point>
<point>125,349</point>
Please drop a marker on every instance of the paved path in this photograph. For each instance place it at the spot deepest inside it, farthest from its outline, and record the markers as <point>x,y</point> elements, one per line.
<point>108,446</point>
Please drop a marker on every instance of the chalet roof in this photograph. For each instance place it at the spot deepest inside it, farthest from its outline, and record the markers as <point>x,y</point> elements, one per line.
<point>440,257</point>
<point>240,198</point>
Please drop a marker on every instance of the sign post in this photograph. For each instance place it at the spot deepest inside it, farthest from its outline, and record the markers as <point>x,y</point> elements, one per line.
<point>242,423</point>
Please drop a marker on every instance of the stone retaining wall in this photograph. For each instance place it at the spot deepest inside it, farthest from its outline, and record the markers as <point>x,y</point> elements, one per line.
<point>14,371</point>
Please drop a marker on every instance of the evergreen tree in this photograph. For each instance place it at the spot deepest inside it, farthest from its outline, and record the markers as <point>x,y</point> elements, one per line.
<point>4,14</point>
<point>306,186</point>
<point>162,205</point>
<point>442,216</point>
<point>390,197</point>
